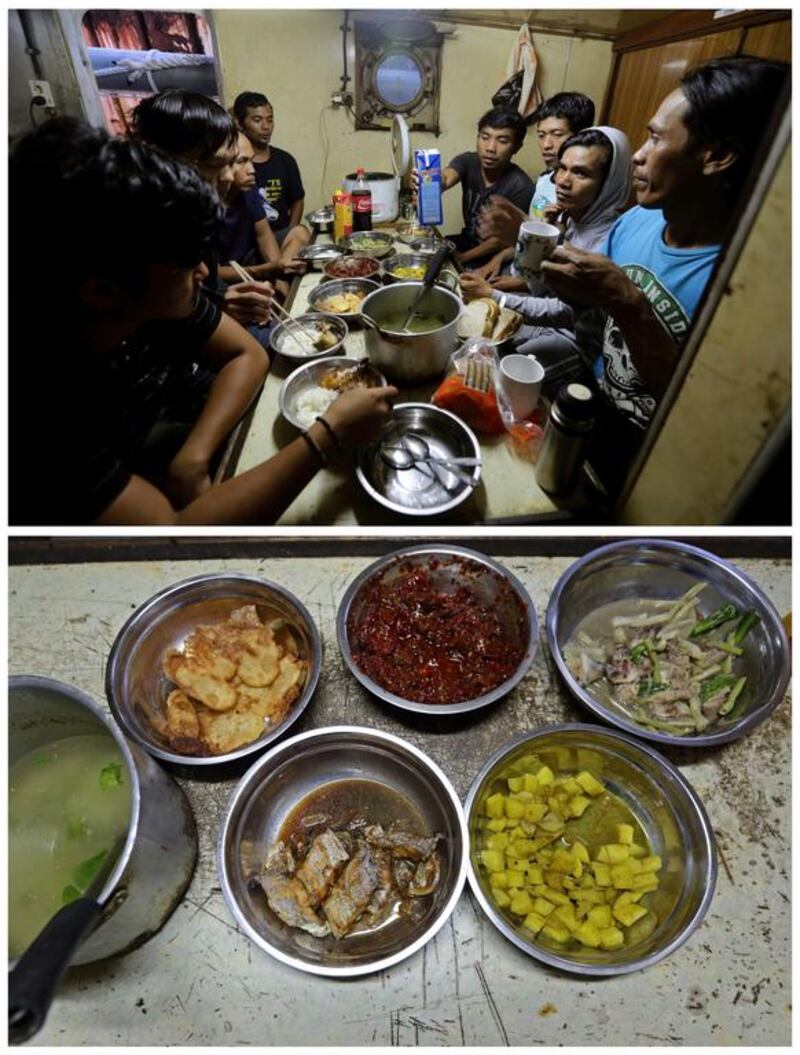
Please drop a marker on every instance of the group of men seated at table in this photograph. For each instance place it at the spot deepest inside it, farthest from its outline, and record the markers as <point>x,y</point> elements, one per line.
<point>127,380</point>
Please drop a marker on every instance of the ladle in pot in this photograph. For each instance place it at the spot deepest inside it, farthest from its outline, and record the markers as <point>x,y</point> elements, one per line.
<point>435,265</point>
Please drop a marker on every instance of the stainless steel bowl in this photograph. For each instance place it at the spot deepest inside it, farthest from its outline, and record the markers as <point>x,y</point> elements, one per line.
<point>266,796</point>
<point>423,490</point>
<point>658,568</point>
<point>411,356</point>
<point>135,683</point>
<point>668,809</point>
<point>320,293</point>
<point>447,277</point>
<point>368,243</point>
<point>449,567</point>
<point>321,219</point>
<point>334,268</point>
<point>309,376</point>
<point>282,341</point>
<point>319,254</point>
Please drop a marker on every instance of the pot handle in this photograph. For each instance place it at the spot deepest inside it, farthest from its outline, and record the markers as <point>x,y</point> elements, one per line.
<point>33,981</point>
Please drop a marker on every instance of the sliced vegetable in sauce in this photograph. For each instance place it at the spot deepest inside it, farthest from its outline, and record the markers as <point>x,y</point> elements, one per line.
<point>111,775</point>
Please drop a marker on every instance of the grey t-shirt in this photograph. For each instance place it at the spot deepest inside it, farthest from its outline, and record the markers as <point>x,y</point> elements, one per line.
<point>513,184</point>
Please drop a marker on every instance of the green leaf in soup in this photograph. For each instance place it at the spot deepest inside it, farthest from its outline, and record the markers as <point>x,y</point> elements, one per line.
<point>111,775</point>
<point>87,870</point>
<point>69,893</point>
<point>41,760</point>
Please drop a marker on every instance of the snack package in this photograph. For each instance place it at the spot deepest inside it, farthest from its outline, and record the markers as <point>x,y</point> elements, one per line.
<point>468,391</point>
<point>472,391</point>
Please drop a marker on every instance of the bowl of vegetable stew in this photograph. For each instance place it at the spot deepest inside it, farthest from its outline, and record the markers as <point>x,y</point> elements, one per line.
<point>668,642</point>
<point>589,851</point>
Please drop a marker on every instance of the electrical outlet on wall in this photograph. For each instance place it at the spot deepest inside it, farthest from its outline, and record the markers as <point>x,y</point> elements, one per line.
<point>42,90</point>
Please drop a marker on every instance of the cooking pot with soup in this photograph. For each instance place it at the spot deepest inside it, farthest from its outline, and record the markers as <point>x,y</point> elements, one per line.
<point>423,353</point>
<point>85,807</point>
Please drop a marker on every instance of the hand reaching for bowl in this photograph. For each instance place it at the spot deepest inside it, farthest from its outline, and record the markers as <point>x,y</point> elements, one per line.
<point>357,415</point>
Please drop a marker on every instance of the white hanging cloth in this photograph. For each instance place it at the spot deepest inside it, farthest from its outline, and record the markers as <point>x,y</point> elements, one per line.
<point>523,58</point>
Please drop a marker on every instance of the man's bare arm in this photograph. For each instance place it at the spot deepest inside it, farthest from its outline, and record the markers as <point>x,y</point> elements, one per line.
<point>591,279</point>
<point>241,364</point>
<point>260,495</point>
<point>296,212</point>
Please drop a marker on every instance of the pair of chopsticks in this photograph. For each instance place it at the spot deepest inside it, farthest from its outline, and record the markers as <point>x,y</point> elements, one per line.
<point>277,311</point>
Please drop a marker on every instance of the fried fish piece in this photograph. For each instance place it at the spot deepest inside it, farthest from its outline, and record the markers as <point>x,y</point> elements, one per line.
<point>260,658</point>
<point>182,721</point>
<point>325,859</point>
<point>223,732</point>
<point>273,702</point>
<point>196,681</point>
<point>353,891</point>
<point>286,895</point>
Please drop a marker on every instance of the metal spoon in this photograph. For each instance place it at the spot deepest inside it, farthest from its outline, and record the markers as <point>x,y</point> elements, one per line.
<point>401,458</point>
<point>418,446</point>
<point>404,454</point>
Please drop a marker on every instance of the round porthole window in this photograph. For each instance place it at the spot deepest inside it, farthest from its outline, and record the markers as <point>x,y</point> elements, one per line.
<point>399,80</point>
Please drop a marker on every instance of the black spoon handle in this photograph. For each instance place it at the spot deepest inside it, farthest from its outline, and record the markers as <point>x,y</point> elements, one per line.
<point>33,981</point>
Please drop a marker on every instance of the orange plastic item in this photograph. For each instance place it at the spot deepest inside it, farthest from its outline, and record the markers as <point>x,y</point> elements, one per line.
<point>478,409</point>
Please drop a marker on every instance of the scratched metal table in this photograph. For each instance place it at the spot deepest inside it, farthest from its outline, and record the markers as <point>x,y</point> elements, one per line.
<point>200,982</point>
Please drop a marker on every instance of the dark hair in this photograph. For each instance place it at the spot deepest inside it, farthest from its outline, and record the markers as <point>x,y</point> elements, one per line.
<point>591,137</point>
<point>502,117</point>
<point>186,124</point>
<point>575,108</point>
<point>113,206</point>
<point>246,101</point>
<point>730,102</point>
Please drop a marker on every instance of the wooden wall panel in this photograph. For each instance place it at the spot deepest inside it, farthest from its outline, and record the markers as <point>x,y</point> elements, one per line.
<point>772,41</point>
<point>645,76</point>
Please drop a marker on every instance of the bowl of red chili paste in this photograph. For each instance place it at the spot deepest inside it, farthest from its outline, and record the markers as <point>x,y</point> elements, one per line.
<point>437,630</point>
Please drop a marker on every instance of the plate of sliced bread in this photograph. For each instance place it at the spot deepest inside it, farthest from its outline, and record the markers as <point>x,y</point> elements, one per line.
<point>483,317</point>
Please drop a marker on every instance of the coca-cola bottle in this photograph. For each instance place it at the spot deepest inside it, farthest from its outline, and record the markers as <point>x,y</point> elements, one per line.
<point>362,203</point>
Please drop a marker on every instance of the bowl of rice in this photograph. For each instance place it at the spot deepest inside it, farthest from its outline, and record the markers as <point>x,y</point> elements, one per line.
<point>309,336</point>
<point>309,391</point>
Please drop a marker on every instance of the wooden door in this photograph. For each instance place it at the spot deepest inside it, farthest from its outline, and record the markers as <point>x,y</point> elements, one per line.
<point>643,77</point>
<point>770,41</point>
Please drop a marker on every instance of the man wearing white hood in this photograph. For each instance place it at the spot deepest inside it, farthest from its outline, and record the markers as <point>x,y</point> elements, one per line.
<point>592,182</point>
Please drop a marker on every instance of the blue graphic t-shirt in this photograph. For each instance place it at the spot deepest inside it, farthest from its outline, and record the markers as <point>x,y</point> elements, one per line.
<point>544,194</point>
<point>673,280</point>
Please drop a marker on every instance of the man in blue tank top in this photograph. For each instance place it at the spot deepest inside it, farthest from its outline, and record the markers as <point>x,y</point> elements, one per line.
<point>650,277</point>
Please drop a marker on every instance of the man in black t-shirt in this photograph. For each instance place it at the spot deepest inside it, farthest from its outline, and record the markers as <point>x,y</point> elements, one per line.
<point>126,381</point>
<point>486,171</point>
<point>277,175</point>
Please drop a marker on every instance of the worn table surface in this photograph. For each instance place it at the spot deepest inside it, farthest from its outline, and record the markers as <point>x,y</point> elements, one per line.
<point>507,488</point>
<point>199,981</point>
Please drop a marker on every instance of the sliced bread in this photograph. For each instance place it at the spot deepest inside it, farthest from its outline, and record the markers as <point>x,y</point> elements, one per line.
<point>508,322</point>
<point>479,318</point>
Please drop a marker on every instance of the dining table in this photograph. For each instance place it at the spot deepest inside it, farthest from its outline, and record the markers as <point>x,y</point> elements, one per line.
<point>507,493</point>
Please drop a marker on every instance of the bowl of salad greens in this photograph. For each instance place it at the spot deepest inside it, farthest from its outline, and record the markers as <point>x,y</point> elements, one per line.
<point>668,641</point>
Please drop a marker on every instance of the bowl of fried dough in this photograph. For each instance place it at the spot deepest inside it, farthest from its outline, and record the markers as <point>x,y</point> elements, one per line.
<point>213,668</point>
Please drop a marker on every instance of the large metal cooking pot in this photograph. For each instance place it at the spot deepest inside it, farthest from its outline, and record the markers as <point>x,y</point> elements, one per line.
<point>412,356</point>
<point>156,860</point>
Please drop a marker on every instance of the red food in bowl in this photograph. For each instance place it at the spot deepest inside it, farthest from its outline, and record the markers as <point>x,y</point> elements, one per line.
<point>352,267</point>
<point>433,645</point>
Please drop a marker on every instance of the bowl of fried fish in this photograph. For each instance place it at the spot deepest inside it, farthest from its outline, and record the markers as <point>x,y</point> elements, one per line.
<point>343,851</point>
<point>213,668</point>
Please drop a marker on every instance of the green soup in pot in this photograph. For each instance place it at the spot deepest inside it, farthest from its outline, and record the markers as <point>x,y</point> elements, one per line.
<point>419,323</point>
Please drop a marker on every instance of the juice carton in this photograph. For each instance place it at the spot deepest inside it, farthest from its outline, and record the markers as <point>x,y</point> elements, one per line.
<point>428,164</point>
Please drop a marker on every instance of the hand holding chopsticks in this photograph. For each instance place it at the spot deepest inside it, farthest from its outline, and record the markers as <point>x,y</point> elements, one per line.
<point>278,312</point>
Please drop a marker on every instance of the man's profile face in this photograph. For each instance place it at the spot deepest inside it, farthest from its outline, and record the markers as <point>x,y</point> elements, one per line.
<point>244,173</point>
<point>258,125</point>
<point>579,178</point>
<point>496,147</point>
<point>666,167</point>
<point>551,133</point>
<point>218,169</point>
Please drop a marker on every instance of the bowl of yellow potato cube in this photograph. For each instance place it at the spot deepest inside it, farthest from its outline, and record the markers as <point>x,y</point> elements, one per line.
<point>588,850</point>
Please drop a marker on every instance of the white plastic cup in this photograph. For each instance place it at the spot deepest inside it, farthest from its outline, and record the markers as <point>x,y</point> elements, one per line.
<point>535,242</point>
<point>521,378</point>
